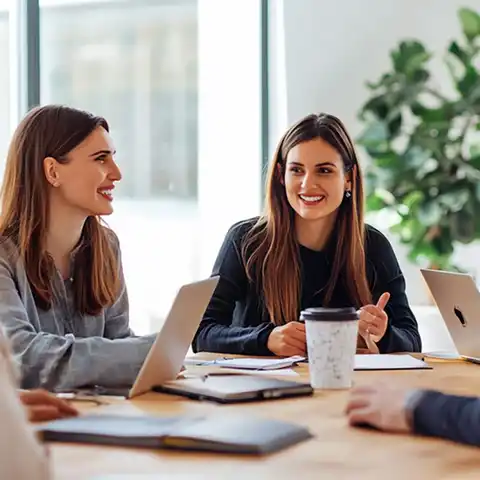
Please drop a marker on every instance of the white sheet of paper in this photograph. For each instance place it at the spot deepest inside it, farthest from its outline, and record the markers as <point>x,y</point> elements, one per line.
<point>259,363</point>
<point>444,355</point>
<point>387,362</point>
<point>273,373</point>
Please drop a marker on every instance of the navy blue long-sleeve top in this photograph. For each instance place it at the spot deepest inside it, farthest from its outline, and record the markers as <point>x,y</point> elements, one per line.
<point>236,319</point>
<point>453,417</point>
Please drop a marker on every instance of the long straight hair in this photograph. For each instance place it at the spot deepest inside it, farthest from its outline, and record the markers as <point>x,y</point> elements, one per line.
<point>270,250</point>
<point>54,131</point>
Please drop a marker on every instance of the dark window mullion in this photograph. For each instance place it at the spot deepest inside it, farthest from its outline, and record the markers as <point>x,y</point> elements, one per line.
<point>28,31</point>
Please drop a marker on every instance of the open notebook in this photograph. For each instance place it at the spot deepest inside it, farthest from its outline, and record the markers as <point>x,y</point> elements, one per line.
<point>229,433</point>
<point>362,362</point>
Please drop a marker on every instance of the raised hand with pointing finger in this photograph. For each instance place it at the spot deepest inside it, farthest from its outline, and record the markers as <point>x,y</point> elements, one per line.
<point>374,320</point>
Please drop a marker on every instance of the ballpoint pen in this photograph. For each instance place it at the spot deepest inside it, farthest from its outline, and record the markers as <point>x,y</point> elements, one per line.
<point>79,397</point>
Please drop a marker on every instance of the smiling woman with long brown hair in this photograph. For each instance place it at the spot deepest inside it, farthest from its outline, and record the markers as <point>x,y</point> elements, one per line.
<point>310,248</point>
<point>63,301</point>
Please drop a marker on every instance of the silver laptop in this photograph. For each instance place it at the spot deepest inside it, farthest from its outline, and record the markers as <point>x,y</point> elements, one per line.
<point>165,358</point>
<point>458,301</point>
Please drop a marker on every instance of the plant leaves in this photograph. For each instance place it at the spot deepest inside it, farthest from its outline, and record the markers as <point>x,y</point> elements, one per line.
<point>375,136</point>
<point>470,21</point>
<point>442,114</point>
<point>374,203</point>
<point>413,199</point>
<point>416,156</point>
<point>462,226</point>
<point>395,124</point>
<point>414,136</point>
<point>386,80</point>
<point>475,161</point>
<point>378,106</point>
<point>455,49</point>
<point>419,76</point>
<point>454,200</point>
<point>470,80</point>
<point>430,213</point>
<point>409,56</point>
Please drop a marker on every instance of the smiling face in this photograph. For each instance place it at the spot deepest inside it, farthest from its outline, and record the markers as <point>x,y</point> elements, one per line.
<point>315,180</point>
<point>85,182</point>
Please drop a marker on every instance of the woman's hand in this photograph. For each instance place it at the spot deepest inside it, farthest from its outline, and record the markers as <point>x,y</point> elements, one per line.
<point>42,405</point>
<point>288,340</point>
<point>373,319</point>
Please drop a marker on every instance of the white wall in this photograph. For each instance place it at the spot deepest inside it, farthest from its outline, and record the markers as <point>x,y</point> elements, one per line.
<point>323,53</point>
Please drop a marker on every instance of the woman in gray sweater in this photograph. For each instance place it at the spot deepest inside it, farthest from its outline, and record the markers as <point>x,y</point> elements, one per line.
<point>63,301</point>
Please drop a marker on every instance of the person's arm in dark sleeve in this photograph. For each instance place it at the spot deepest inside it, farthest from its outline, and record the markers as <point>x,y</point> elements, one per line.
<point>452,417</point>
<point>402,333</point>
<point>216,333</point>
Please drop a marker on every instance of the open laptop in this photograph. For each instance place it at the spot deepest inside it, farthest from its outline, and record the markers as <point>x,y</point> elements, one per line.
<point>165,358</point>
<point>458,301</point>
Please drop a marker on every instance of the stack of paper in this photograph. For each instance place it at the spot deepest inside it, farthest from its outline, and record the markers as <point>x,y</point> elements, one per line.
<point>388,362</point>
<point>248,363</point>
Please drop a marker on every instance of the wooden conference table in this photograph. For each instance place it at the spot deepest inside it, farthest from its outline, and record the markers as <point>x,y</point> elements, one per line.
<point>337,451</point>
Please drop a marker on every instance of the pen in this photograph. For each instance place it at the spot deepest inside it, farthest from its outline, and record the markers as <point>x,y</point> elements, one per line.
<point>75,397</point>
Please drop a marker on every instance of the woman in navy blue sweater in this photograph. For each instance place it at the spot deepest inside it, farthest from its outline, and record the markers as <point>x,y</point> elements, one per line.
<point>310,248</point>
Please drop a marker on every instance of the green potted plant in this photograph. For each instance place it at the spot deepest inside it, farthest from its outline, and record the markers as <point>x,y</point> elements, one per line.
<point>423,146</point>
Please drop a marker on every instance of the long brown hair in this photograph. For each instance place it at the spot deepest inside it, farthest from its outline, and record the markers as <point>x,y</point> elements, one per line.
<point>270,251</point>
<point>54,131</point>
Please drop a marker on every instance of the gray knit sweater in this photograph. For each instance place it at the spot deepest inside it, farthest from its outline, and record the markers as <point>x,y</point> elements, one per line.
<point>60,349</point>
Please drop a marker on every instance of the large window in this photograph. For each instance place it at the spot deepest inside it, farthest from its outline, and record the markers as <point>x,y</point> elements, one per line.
<point>136,64</point>
<point>179,83</point>
<point>4,80</point>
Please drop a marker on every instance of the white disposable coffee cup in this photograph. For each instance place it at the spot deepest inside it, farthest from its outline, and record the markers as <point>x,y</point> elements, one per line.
<point>331,345</point>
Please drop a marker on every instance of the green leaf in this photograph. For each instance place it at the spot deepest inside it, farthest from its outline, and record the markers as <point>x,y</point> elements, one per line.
<point>462,225</point>
<point>395,124</point>
<point>443,244</point>
<point>430,165</point>
<point>474,151</point>
<point>409,56</point>
<point>477,195</point>
<point>475,160</point>
<point>455,49</point>
<point>388,161</point>
<point>470,21</point>
<point>374,203</point>
<point>378,106</point>
<point>419,76</point>
<point>374,136</point>
<point>470,80</point>
<point>454,200</point>
<point>386,80</point>
<point>416,156</point>
<point>442,115</point>
<point>413,199</point>
<point>430,213</point>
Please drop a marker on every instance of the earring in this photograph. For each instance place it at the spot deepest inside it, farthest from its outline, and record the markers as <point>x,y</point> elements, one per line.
<point>348,193</point>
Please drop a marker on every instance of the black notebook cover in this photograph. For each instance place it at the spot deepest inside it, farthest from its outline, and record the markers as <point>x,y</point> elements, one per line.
<point>217,433</point>
<point>229,388</point>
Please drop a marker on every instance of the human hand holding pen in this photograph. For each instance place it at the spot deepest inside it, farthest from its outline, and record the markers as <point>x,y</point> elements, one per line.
<point>42,405</point>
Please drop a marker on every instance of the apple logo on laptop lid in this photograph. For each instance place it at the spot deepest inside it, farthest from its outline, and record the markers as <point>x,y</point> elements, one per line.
<point>459,314</point>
